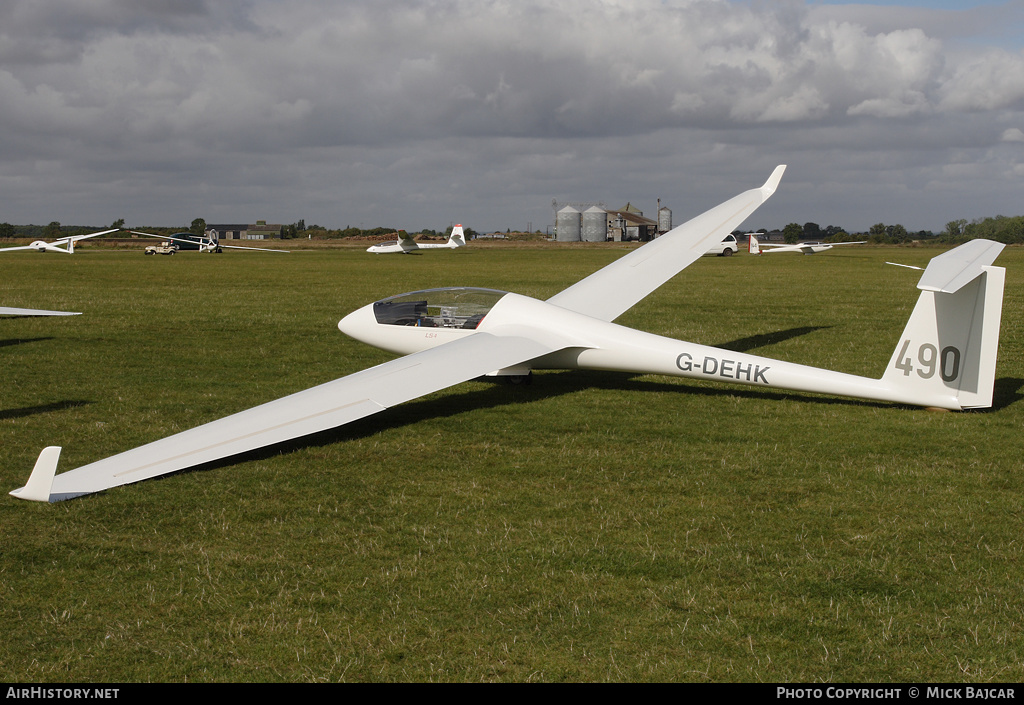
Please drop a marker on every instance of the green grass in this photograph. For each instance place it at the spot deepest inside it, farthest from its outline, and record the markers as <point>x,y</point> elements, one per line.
<point>588,527</point>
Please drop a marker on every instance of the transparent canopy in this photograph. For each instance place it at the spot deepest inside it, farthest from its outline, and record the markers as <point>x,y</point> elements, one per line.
<point>455,307</point>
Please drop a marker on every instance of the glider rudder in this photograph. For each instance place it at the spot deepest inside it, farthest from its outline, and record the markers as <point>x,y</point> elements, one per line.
<point>951,341</point>
<point>40,481</point>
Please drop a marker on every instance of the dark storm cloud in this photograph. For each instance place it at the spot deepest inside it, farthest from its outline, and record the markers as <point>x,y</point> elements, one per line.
<point>417,113</point>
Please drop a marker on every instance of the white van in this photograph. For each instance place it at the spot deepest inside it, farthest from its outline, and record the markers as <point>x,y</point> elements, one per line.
<point>725,248</point>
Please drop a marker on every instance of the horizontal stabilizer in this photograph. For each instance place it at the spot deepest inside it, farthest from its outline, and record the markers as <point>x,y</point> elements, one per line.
<point>951,271</point>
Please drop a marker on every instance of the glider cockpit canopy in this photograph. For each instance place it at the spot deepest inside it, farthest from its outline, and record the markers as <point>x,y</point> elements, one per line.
<point>453,307</point>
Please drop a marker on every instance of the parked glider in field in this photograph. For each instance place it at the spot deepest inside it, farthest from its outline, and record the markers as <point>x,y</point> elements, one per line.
<point>405,244</point>
<point>204,243</point>
<point>945,357</point>
<point>64,244</point>
<point>806,248</point>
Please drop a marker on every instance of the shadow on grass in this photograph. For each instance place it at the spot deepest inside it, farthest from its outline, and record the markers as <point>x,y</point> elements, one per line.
<point>1007,392</point>
<point>759,341</point>
<point>19,341</point>
<point>501,394</point>
<point>41,409</point>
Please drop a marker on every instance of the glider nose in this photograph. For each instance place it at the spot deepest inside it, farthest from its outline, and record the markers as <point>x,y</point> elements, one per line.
<point>359,323</point>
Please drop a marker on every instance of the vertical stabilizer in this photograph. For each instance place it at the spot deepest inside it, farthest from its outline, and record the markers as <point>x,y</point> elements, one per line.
<point>37,489</point>
<point>457,238</point>
<point>951,341</point>
<point>754,246</point>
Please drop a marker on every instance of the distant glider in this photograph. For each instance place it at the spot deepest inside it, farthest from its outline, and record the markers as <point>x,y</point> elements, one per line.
<point>807,248</point>
<point>65,245</point>
<point>206,243</point>
<point>945,358</point>
<point>405,244</point>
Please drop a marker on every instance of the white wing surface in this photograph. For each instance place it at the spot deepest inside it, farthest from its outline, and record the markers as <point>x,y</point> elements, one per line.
<point>317,409</point>
<point>613,290</point>
<point>950,271</point>
<point>7,311</point>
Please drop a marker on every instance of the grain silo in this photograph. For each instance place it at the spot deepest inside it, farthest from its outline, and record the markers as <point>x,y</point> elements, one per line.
<point>664,220</point>
<point>567,223</point>
<point>595,224</point>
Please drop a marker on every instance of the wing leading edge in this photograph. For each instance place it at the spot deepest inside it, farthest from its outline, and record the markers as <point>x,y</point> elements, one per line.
<point>609,292</point>
<point>316,409</point>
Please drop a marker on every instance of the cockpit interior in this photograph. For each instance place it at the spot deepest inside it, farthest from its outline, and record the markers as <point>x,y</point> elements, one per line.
<point>454,307</point>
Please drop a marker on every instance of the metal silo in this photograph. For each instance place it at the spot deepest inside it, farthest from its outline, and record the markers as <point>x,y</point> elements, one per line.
<point>664,219</point>
<point>595,224</point>
<point>568,222</point>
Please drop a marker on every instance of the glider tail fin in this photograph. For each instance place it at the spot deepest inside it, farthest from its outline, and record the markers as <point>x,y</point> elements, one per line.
<point>40,481</point>
<point>457,238</point>
<point>949,346</point>
<point>754,247</point>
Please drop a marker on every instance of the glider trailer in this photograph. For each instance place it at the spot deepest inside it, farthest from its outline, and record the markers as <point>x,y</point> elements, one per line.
<point>945,358</point>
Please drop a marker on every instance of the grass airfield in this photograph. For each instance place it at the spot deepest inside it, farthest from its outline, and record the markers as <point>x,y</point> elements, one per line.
<point>588,527</point>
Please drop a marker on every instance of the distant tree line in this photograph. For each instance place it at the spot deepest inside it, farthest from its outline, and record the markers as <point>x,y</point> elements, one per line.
<point>299,229</point>
<point>879,234</point>
<point>52,231</point>
<point>1008,230</point>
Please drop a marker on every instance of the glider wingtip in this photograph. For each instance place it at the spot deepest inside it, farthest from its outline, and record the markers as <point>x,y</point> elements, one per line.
<point>37,489</point>
<point>773,181</point>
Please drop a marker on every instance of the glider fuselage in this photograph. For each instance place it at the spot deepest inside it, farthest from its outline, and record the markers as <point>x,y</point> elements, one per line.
<point>584,342</point>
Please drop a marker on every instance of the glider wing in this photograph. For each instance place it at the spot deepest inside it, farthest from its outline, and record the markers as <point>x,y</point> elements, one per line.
<point>316,409</point>
<point>613,290</point>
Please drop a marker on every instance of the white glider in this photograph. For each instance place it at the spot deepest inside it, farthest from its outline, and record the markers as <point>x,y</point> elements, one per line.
<point>945,357</point>
<point>807,248</point>
<point>405,244</point>
<point>64,244</point>
<point>206,244</point>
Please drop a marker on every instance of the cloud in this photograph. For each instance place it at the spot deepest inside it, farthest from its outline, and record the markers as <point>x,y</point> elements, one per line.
<point>1014,134</point>
<point>378,100</point>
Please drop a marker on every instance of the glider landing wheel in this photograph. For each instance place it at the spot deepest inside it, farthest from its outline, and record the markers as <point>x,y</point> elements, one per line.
<point>518,380</point>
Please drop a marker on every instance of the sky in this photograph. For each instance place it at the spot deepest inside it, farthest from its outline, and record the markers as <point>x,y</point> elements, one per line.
<point>417,114</point>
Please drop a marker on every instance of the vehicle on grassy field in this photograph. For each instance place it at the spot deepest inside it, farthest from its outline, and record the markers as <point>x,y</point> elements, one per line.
<point>188,241</point>
<point>945,358</point>
<point>725,248</point>
<point>164,248</point>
